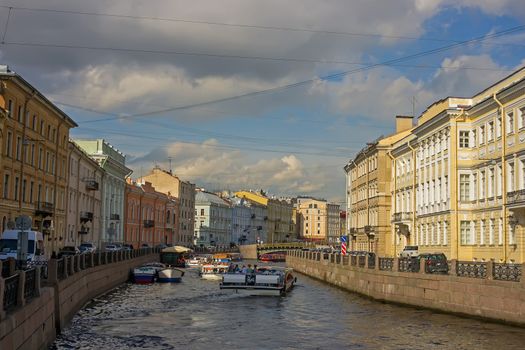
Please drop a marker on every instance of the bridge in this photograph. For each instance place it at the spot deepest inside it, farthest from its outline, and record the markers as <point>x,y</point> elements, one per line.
<point>252,251</point>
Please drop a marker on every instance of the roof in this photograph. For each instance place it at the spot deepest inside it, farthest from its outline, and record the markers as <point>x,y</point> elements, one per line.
<point>209,198</point>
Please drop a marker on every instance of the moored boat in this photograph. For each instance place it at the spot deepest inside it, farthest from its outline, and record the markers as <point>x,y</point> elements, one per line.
<point>273,257</point>
<point>213,272</point>
<point>170,274</point>
<point>144,275</point>
<point>269,280</point>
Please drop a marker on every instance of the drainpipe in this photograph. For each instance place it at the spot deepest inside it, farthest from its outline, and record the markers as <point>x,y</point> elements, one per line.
<point>389,153</point>
<point>23,151</point>
<point>414,166</point>
<point>503,175</point>
<point>455,200</point>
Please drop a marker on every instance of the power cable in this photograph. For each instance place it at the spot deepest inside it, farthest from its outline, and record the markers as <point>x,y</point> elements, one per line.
<point>6,25</point>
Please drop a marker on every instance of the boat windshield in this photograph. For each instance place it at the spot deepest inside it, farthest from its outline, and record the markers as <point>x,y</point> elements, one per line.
<point>11,246</point>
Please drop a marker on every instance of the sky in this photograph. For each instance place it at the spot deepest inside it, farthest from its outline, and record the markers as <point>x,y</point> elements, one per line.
<point>250,94</point>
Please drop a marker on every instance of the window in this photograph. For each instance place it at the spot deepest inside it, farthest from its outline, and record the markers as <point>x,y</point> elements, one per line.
<point>445,233</point>
<point>482,232</point>
<point>512,234</point>
<point>464,139</point>
<point>202,212</point>
<point>32,155</point>
<point>491,231</point>
<point>464,187</point>
<point>24,186</point>
<point>500,231</point>
<point>490,135</point>
<point>499,180</point>
<point>31,187</point>
<point>8,144</point>
<point>521,120</point>
<point>42,127</point>
<point>40,153</point>
<point>16,188</point>
<point>6,186</point>
<point>33,126</point>
<point>482,134</point>
<point>466,232</point>
<point>491,183</point>
<point>510,122</point>
<point>20,119</point>
<point>482,181</point>
<point>18,148</point>
<point>498,126</point>
<point>510,183</point>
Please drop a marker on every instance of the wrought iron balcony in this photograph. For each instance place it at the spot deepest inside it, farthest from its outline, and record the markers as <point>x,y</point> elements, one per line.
<point>370,230</point>
<point>353,231</point>
<point>44,209</point>
<point>86,216</point>
<point>91,185</point>
<point>516,197</point>
<point>114,217</point>
<point>405,216</point>
<point>149,223</point>
<point>83,230</point>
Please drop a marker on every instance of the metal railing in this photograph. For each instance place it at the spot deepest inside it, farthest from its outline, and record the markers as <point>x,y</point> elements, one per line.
<point>338,258</point>
<point>353,260</point>
<point>345,260</point>
<point>11,291</point>
<point>386,264</point>
<point>471,269</point>
<point>362,260</point>
<point>507,272</point>
<point>30,283</point>
<point>61,269</point>
<point>408,265</point>
<point>371,261</point>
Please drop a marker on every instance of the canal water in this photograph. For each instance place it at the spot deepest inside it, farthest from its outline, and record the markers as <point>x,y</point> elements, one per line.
<point>196,314</point>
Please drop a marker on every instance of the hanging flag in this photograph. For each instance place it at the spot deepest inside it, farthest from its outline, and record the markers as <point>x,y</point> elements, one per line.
<point>343,245</point>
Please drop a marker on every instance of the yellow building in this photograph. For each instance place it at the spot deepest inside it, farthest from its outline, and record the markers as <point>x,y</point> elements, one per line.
<point>34,139</point>
<point>464,194</point>
<point>279,222</point>
<point>368,192</point>
<point>318,220</point>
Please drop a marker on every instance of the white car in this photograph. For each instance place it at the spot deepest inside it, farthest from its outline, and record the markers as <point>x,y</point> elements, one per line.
<point>410,251</point>
<point>112,248</point>
<point>87,247</point>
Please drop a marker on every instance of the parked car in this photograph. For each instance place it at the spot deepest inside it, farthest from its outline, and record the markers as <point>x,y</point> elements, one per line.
<point>127,247</point>
<point>87,247</point>
<point>68,251</point>
<point>112,248</point>
<point>144,245</point>
<point>410,251</point>
<point>435,262</point>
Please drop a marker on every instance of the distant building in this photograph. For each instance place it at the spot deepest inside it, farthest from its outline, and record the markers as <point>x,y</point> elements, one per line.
<point>213,220</point>
<point>184,191</point>
<point>318,220</point>
<point>248,223</point>
<point>113,187</point>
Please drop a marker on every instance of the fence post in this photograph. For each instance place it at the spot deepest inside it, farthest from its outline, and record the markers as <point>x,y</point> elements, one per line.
<point>453,267</point>
<point>52,274</point>
<point>395,268</point>
<point>12,266</point>
<point>71,263</point>
<point>377,262</point>
<point>422,265</point>
<point>2,292</point>
<point>20,300</point>
<point>38,277</point>
<point>490,270</point>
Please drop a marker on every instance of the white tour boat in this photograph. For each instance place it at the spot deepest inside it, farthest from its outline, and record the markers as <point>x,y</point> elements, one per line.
<point>213,272</point>
<point>268,280</point>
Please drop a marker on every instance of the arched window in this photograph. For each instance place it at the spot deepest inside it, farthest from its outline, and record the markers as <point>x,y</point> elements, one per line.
<point>168,217</point>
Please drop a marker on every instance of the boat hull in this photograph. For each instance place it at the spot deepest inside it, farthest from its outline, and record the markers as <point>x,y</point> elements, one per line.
<point>170,276</point>
<point>212,276</point>
<point>143,279</point>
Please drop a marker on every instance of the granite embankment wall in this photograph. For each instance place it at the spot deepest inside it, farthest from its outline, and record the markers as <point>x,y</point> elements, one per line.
<point>36,308</point>
<point>470,288</point>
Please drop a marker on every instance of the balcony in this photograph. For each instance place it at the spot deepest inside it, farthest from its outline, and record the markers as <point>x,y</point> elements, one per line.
<point>91,185</point>
<point>516,198</point>
<point>83,230</point>
<point>86,216</point>
<point>405,216</point>
<point>114,217</point>
<point>370,230</point>
<point>44,209</point>
<point>149,223</point>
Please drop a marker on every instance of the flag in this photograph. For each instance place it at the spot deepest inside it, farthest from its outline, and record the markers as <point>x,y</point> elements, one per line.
<point>343,245</point>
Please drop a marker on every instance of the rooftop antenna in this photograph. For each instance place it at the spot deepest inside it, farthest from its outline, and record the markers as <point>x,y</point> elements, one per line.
<point>414,101</point>
<point>169,159</point>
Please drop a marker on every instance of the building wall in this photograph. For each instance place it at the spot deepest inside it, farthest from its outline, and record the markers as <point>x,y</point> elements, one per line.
<point>84,200</point>
<point>34,159</point>
<point>184,191</point>
<point>213,221</point>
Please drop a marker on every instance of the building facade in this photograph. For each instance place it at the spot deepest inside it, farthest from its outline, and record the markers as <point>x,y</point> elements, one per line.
<point>184,192</point>
<point>84,198</point>
<point>318,220</point>
<point>213,220</point>
<point>368,177</point>
<point>113,187</point>
<point>150,216</point>
<point>34,136</point>
<point>248,224</point>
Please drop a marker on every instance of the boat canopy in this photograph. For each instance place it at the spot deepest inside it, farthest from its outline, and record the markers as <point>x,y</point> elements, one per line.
<point>176,249</point>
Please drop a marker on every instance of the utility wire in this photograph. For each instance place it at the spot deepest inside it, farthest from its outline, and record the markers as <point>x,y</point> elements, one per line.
<point>6,25</point>
<point>326,77</point>
<point>238,25</point>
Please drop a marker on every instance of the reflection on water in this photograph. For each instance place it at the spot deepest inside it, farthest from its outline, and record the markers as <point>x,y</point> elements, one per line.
<point>195,314</point>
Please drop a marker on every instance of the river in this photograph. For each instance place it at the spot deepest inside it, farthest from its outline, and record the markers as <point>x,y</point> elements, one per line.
<point>196,314</point>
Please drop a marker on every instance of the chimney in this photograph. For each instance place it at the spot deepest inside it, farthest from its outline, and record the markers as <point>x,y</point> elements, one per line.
<point>403,123</point>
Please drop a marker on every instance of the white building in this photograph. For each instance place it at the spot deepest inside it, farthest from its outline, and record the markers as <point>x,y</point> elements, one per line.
<point>213,220</point>
<point>249,225</point>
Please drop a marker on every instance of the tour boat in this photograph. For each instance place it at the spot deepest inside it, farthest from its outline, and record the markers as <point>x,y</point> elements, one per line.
<point>197,261</point>
<point>213,272</point>
<point>267,280</point>
<point>273,257</point>
<point>170,274</point>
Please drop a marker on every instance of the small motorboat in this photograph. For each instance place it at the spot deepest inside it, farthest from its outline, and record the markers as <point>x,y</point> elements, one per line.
<point>147,273</point>
<point>197,261</point>
<point>268,280</point>
<point>273,257</point>
<point>213,272</point>
<point>170,274</point>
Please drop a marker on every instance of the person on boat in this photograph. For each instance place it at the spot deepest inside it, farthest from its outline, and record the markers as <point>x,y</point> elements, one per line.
<point>237,269</point>
<point>249,269</point>
<point>231,268</point>
<point>255,270</point>
<point>244,269</point>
